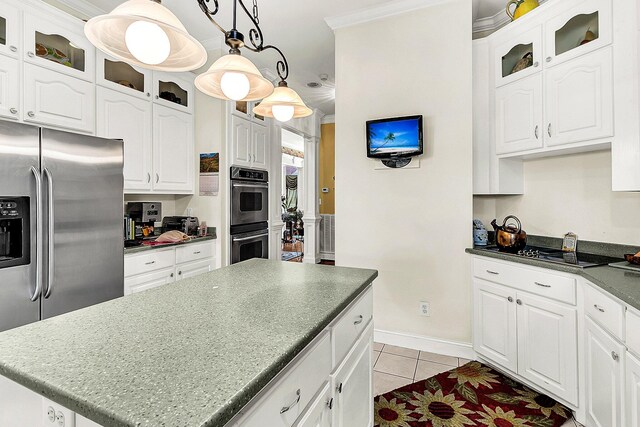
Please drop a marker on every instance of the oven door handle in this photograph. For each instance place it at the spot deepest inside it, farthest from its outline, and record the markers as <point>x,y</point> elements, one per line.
<point>38,290</point>
<point>257,185</point>
<point>244,239</point>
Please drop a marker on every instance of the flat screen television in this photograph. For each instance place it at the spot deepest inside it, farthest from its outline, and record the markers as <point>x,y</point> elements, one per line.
<point>399,137</point>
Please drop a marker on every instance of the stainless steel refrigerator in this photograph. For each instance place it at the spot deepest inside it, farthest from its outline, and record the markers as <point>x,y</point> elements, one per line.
<point>61,203</point>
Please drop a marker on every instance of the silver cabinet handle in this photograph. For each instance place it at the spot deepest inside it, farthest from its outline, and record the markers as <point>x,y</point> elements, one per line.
<point>148,95</point>
<point>549,59</point>
<point>330,403</point>
<point>13,48</point>
<point>171,275</point>
<point>615,356</point>
<point>179,273</point>
<point>13,110</point>
<point>51,266</point>
<point>493,272</point>
<point>31,54</point>
<point>149,263</point>
<point>597,307</point>
<point>196,252</point>
<point>294,403</point>
<point>244,239</point>
<point>536,64</point>
<point>157,178</point>
<point>536,132</point>
<point>549,129</point>
<point>519,301</point>
<point>38,290</point>
<point>148,177</point>
<point>157,97</point>
<point>360,319</point>
<point>31,114</point>
<point>339,388</point>
<point>510,299</point>
<point>542,285</point>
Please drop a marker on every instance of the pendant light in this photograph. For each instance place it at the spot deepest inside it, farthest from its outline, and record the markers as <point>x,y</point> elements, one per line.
<point>284,104</point>
<point>146,34</point>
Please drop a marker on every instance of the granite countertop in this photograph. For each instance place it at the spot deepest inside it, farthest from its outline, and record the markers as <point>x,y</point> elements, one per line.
<point>623,284</point>
<point>145,248</point>
<point>188,354</point>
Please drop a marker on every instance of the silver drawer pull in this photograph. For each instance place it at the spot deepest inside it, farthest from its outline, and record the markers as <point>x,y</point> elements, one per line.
<point>492,272</point>
<point>542,284</point>
<point>13,110</point>
<point>360,319</point>
<point>510,299</point>
<point>615,356</point>
<point>286,408</point>
<point>149,263</point>
<point>597,307</point>
<point>196,253</point>
<point>31,54</point>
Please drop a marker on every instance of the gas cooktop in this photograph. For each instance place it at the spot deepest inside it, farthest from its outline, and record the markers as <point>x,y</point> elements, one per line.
<point>556,256</point>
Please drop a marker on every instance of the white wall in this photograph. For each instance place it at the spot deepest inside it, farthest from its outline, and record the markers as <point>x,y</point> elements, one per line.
<point>410,224</point>
<point>569,193</point>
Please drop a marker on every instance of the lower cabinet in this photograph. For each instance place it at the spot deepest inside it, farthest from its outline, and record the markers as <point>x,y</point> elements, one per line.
<point>144,282</point>
<point>605,371</point>
<point>633,390</point>
<point>18,405</point>
<point>192,269</point>
<point>319,412</point>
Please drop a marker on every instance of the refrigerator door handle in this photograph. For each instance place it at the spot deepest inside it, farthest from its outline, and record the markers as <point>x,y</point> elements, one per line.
<point>38,290</point>
<point>50,239</point>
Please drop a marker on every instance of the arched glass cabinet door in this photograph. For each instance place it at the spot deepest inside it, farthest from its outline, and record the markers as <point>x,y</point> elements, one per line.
<point>582,29</point>
<point>9,29</point>
<point>519,57</point>
<point>58,48</point>
<point>173,90</point>
<point>123,77</point>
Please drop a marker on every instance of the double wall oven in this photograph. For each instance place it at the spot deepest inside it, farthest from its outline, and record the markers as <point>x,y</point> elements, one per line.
<point>249,214</point>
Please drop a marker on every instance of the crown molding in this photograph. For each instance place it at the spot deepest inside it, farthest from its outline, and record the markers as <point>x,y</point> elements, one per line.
<point>331,118</point>
<point>83,7</point>
<point>378,12</point>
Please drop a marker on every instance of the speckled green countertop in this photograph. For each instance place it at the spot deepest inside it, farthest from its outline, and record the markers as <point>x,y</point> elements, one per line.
<point>144,248</point>
<point>191,353</point>
<point>622,284</point>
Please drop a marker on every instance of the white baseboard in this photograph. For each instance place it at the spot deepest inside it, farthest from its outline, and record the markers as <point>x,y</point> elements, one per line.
<point>422,343</point>
<point>328,256</point>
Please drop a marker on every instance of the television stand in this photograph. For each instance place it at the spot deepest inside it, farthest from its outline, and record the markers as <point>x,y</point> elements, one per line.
<point>396,163</point>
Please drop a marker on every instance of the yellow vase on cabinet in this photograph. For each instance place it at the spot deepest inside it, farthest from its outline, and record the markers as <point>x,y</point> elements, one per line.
<point>522,8</point>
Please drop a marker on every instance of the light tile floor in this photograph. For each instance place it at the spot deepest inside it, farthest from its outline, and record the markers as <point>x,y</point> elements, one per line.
<point>395,367</point>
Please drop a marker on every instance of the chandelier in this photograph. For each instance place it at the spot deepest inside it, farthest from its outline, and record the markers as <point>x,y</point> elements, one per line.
<point>147,34</point>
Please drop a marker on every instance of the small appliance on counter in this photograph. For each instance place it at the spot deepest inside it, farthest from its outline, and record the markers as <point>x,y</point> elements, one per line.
<point>480,233</point>
<point>510,237</point>
<point>186,224</point>
<point>140,220</point>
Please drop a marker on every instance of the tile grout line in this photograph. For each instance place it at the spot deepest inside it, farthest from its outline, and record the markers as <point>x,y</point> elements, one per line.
<point>393,375</point>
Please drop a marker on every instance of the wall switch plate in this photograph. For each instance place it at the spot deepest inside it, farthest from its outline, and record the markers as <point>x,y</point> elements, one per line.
<point>425,309</point>
<point>325,190</point>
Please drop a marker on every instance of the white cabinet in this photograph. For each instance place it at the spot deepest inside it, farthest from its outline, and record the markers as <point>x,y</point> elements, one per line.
<point>173,91</point>
<point>518,116</point>
<point>192,269</point>
<point>249,143</point>
<point>494,332</point>
<point>58,45</point>
<point>579,99</point>
<point>509,54</point>
<point>148,281</point>
<point>353,386</point>
<point>633,391</point>
<point>19,406</point>
<point>10,24</point>
<point>128,118</point>
<point>58,100</point>
<point>547,345</point>
<point>173,150</point>
<point>122,77</point>
<point>605,373</point>
<point>319,412</point>
<point>9,88</point>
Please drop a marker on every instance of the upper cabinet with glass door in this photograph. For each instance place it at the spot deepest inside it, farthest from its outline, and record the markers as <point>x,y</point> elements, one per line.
<point>9,29</point>
<point>115,74</point>
<point>173,90</point>
<point>61,48</point>
<point>519,57</point>
<point>585,27</point>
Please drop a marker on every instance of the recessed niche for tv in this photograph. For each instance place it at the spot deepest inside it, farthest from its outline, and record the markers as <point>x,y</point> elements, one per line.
<point>516,54</point>
<point>579,30</point>
<point>59,49</point>
<point>172,92</point>
<point>124,75</point>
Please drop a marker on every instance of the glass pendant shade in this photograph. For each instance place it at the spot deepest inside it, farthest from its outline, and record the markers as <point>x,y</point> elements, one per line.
<point>234,77</point>
<point>146,34</point>
<point>284,104</point>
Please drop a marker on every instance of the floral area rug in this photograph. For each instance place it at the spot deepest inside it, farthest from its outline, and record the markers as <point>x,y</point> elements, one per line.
<point>471,395</point>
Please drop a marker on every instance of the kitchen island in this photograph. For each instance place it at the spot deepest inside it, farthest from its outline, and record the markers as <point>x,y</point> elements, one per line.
<point>207,351</point>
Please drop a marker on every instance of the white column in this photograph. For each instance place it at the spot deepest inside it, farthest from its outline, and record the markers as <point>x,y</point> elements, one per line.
<point>311,216</point>
<point>275,190</point>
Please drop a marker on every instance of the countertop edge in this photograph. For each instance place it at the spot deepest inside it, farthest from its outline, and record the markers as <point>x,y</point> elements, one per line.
<point>562,268</point>
<point>232,407</point>
<point>144,248</point>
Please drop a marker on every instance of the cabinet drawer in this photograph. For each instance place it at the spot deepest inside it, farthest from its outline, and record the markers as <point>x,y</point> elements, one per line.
<point>294,390</point>
<point>144,282</point>
<point>350,325</point>
<point>537,282</point>
<point>143,263</point>
<point>195,251</point>
<point>633,337</point>
<point>605,311</point>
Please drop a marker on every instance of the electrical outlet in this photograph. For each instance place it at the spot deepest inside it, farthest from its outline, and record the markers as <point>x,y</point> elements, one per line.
<point>56,415</point>
<point>425,309</point>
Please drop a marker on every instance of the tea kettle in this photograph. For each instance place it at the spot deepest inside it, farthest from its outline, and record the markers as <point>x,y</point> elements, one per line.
<point>509,237</point>
<point>522,8</point>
